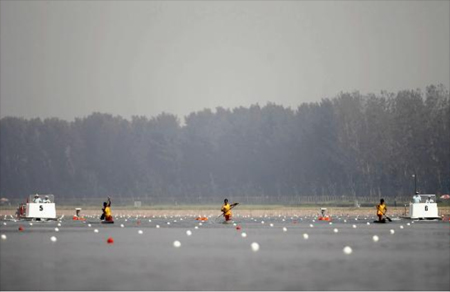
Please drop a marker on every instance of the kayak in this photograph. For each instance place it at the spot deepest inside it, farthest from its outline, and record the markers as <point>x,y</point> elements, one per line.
<point>107,222</point>
<point>382,221</point>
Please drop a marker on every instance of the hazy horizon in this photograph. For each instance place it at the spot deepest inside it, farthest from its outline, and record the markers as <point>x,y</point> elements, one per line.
<point>67,59</point>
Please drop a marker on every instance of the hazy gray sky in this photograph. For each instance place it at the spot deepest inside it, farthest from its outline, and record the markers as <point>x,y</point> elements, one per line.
<point>69,58</point>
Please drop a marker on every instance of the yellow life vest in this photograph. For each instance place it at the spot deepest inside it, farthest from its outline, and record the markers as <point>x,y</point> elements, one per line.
<point>108,213</point>
<point>226,209</point>
<point>381,209</point>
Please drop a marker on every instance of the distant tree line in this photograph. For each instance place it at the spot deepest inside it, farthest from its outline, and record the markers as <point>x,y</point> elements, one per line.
<point>352,145</point>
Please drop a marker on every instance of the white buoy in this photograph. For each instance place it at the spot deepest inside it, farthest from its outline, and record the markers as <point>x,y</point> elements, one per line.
<point>262,222</point>
<point>89,225</point>
<point>368,223</point>
<point>56,229</point>
<point>408,224</point>
<point>255,246</point>
<point>401,226</point>
<point>335,230</point>
<point>149,220</point>
<point>122,226</point>
<point>331,223</point>
<point>244,235</point>
<point>188,233</point>
<point>354,226</point>
<point>345,221</point>
<point>168,223</point>
<point>200,224</point>
<point>4,223</point>
<point>157,226</point>
<point>375,238</point>
<point>310,225</point>
<point>53,239</point>
<point>59,224</point>
<point>392,231</point>
<point>284,229</point>
<point>196,227</point>
<point>305,236</point>
<point>140,232</point>
<point>31,224</point>
<point>271,224</point>
<point>4,237</point>
<point>348,250</point>
<point>176,243</point>
<point>96,230</point>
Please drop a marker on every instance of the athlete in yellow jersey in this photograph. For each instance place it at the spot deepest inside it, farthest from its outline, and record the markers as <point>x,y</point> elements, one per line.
<point>381,210</point>
<point>226,209</point>
<point>106,216</point>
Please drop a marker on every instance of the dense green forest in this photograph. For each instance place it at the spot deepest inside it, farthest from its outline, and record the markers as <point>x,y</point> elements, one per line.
<point>351,145</point>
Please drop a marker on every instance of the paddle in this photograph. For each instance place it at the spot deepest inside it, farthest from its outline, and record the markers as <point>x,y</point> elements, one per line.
<point>390,220</point>
<point>222,214</point>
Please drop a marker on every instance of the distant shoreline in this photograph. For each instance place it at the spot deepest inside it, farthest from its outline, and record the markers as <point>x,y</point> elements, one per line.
<point>209,211</point>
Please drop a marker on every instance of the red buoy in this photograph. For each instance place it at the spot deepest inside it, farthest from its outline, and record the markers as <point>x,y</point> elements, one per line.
<point>20,228</point>
<point>110,240</point>
<point>238,227</point>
